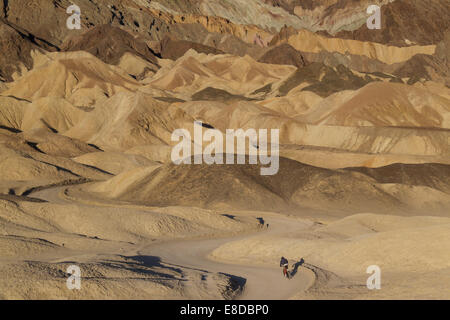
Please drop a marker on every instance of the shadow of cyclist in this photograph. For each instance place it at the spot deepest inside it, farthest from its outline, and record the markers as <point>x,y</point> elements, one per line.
<point>295,268</point>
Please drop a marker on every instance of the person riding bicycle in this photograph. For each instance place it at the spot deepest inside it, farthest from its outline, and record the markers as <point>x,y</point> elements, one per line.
<point>284,263</point>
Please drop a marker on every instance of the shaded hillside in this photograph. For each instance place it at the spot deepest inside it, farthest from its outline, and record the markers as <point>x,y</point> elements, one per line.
<point>295,186</point>
<point>407,21</point>
<point>109,44</point>
<point>284,54</point>
<point>324,80</point>
<point>174,49</point>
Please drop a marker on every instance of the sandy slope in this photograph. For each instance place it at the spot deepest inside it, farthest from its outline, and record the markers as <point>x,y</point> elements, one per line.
<point>320,250</point>
<point>189,257</point>
<point>262,282</point>
<point>39,243</point>
<point>341,250</point>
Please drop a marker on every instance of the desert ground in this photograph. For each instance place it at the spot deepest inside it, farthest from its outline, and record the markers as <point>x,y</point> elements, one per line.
<point>87,176</point>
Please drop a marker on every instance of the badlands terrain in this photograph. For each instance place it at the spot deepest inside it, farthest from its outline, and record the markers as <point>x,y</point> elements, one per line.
<point>87,179</point>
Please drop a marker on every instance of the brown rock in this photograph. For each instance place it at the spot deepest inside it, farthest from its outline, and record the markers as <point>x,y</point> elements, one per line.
<point>421,22</point>
<point>109,44</point>
<point>174,49</point>
<point>284,54</point>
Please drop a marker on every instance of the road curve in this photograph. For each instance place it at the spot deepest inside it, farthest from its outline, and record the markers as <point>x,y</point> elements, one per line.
<point>261,283</point>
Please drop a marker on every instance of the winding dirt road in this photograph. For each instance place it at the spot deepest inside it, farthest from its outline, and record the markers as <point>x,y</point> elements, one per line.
<point>260,282</point>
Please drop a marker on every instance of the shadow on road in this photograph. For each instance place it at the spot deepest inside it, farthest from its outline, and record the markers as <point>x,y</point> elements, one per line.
<point>237,283</point>
<point>295,268</point>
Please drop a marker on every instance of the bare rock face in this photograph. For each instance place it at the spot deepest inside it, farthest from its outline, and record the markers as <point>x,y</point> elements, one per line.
<point>407,21</point>
<point>15,52</point>
<point>404,22</point>
<point>109,44</point>
<point>284,54</point>
<point>429,67</point>
<point>250,12</point>
<point>295,184</point>
<point>290,5</point>
<point>26,25</point>
<point>47,19</point>
<point>174,49</point>
<point>443,50</point>
<point>324,80</point>
<point>284,34</point>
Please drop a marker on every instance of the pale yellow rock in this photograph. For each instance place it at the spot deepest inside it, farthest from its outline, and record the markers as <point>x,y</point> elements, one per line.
<point>307,41</point>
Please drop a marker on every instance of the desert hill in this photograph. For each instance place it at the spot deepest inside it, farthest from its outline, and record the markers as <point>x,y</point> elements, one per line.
<point>75,76</point>
<point>295,185</point>
<point>109,44</point>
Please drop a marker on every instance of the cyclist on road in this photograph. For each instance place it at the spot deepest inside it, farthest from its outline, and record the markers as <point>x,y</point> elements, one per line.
<point>284,263</point>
